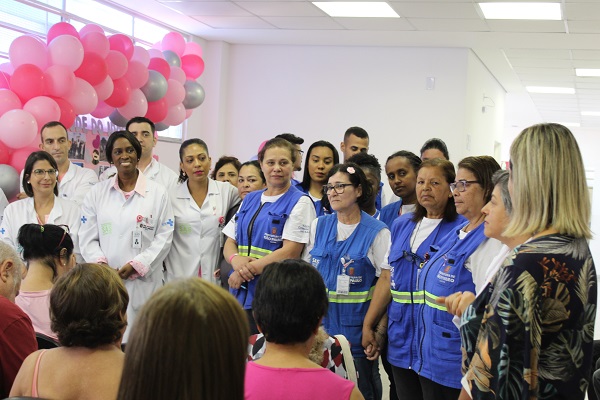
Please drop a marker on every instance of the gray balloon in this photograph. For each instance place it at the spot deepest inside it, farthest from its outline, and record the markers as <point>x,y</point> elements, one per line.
<point>9,181</point>
<point>117,119</point>
<point>156,86</point>
<point>161,127</point>
<point>172,58</point>
<point>194,95</point>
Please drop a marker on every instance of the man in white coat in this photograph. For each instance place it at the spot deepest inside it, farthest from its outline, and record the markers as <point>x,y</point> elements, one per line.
<point>145,132</point>
<point>73,181</point>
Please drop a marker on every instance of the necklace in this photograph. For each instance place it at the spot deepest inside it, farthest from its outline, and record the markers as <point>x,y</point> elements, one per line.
<point>415,235</point>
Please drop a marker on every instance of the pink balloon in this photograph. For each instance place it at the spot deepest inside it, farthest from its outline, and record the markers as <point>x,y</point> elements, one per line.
<point>160,65</point>
<point>90,28</point>
<point>104,89</point>
<point>28,50</point>
<point>175,93</point>
<point>116,64</point>
<point>17,128</point>
<point>121,93</point>
<point>154,53</point>
<point>175,42</point>
<point>177,74</point>
<point>43,109</point>
<point>8,101</point>
<point>96,42</point>
<point>28,82</point>
<point>4,154</point>
<point>59,29</point>
<point>19,157</point>
<point>136,75</point>
<point>83,97</point>
<point>122,44</point>
<point>175,115</point>
<point>103,110</point>
<point>93,69</point>
<point>188,113</point>
<point>137,105</point>
<point>157,45</point>
<point>7,68</point>
<point>67,114</point>
<point>140,54</point>
<point>157,110</point>
<point>192,65</point>
<point>192,48</point>
<point>4,80</point>
<point>65,50</point>
<point>60,80</point>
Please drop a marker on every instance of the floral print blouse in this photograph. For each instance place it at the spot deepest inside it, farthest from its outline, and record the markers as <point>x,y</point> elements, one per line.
<point>529,334</point>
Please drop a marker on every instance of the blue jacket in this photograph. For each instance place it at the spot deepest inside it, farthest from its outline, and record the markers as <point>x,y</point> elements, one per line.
<point>318,205</point>
<point>390,212</point>
<point>407,301</point>
<point>259,232</point>
<point>346,312</point>
<point>439,354</point>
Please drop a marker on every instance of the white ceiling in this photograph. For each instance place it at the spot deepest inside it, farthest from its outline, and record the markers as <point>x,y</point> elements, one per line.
<point>517,53</point>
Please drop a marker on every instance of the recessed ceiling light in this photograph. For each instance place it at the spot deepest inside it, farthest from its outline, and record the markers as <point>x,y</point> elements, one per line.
<point>551,90</point>
<point>570,124</point>
<point>590,113</point>
<point>545,11</point>
<point>357,9</point>
<point>587,71</point>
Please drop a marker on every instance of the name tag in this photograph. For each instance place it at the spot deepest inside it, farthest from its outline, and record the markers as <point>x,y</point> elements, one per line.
<point>343,285</point>
<point>136,239</point>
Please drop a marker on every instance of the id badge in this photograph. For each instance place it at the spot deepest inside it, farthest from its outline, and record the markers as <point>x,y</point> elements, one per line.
<point>343,284</point>
<point>136,239</point>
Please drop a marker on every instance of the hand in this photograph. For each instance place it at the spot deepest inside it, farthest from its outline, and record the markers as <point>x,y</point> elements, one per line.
<point>245,271</point>
<point>217,273</point>
<point>369,343</point>
<point>21,196</point>
<point>457,302</point>
<point>235,280</point>
<point>126,271</point>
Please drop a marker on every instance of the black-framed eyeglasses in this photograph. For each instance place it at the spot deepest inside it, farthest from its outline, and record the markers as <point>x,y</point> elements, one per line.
<point>338,187</point>
<point>461,185</point>
<point>42,172</point>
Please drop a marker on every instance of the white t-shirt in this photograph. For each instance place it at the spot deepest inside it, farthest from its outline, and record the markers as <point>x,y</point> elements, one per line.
<point>377,251</point>
<point>481,259</point>
<point>297,226</point>
<point>418,236</point>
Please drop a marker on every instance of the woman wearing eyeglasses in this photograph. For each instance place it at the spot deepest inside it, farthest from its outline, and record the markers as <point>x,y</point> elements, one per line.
<point>348,248</point>
<point>43,206</point>
<point>413,235</point>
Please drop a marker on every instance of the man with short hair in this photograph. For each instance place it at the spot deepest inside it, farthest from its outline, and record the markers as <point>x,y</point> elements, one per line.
<point>73,181</point>
<point>356,140</point>
<point>145,132</point>
<point>434,148</point>
<point>17,339</point>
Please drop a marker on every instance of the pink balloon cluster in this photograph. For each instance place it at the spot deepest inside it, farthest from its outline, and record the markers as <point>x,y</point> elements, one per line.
<point>87,72</point>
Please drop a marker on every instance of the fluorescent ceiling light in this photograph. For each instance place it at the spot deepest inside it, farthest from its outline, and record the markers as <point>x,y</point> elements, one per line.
<point>544,11</point>
<point>587,71</point>
<point>357,9</point>
<point>570,124</point>
<point>551,90</point>
<point>590,113</point>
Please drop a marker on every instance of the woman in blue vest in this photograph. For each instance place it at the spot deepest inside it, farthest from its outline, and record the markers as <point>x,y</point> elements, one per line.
<point>271,225</point>
<point>413,236</point>
<point>320,158</point>
<point>401,170</point>
<point>460,264</point>
<point>348,248</point>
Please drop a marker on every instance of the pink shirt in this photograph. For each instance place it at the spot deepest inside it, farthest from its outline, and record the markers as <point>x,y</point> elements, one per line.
<point>37,306</point>
<point>268,383</point>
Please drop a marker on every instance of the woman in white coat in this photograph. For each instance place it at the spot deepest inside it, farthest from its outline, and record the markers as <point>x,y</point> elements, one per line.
<point>127,223</point>
<point>200,205</point>
<point>43,206</point>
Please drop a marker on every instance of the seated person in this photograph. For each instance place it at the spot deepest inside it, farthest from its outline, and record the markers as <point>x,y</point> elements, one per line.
<point>88,308</point>
<point>289,304</point>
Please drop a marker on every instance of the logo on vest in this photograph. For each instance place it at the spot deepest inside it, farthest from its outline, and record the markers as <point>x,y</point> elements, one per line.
<point>272,238</point>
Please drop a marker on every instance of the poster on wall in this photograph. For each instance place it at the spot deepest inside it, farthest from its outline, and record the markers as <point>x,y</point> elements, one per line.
<point>88,137</point>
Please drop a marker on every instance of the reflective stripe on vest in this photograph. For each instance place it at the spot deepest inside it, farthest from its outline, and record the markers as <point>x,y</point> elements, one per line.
<point>253,251</point>
<point>430,300</point>
<point>405,297</point>
<point>352,297</point>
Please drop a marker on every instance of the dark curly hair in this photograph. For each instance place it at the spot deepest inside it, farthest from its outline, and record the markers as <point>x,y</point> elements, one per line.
<point>357,178</point>
<point>45,243</point>
<point>88,305</point>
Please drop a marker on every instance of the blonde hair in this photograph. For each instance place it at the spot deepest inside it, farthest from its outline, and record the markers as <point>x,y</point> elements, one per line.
<point>187,338</point>
<point>549,184</point>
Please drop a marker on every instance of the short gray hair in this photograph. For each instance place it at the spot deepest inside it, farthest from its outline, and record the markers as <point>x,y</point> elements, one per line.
<point>7,252</point>
<point>500,178</point>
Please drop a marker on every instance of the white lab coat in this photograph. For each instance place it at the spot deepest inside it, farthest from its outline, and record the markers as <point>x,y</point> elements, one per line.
<point>197,239</point>
<point>155,171</point>
<point>21,212</point>
<point>75,184</point>
<point>3,203</point>
<point>108,223</point>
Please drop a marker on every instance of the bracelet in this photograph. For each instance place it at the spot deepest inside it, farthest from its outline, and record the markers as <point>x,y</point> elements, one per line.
<point>231,257</point>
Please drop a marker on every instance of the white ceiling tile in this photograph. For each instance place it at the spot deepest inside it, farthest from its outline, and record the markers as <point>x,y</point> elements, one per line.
<point>375,24</point>
<point>540,63</point>
<point>548,53</point>
<point>588,85</point>
<point>234,22</point>
<point>581,11</point>
<point>584,26</point>
<point>586,54</point>
<point>215,8</point>
<point>526,26</point>
<point>303,23</point>
<point>545,72</point>
<point>437,10</point>
<point>281,8</point>
<point>449,25</point>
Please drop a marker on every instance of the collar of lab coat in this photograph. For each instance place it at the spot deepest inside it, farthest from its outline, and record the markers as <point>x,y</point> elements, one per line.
<point>183,191</point>
<point>54,213</point>
<point>140,184</point>
<point>71,171</point>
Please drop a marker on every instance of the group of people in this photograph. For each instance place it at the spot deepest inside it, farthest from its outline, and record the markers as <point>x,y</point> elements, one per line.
<point>473,283</point>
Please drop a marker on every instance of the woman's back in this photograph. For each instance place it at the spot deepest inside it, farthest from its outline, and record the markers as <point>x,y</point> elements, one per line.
<point>72,373</point>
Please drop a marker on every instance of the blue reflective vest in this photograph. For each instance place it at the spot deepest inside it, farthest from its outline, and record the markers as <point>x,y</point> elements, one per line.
<point>346,312</point>
<point>318,205</point>
<point>390,212</point>
<point>407,301</point>
<point>259,232</point>
<point>439,354</point>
